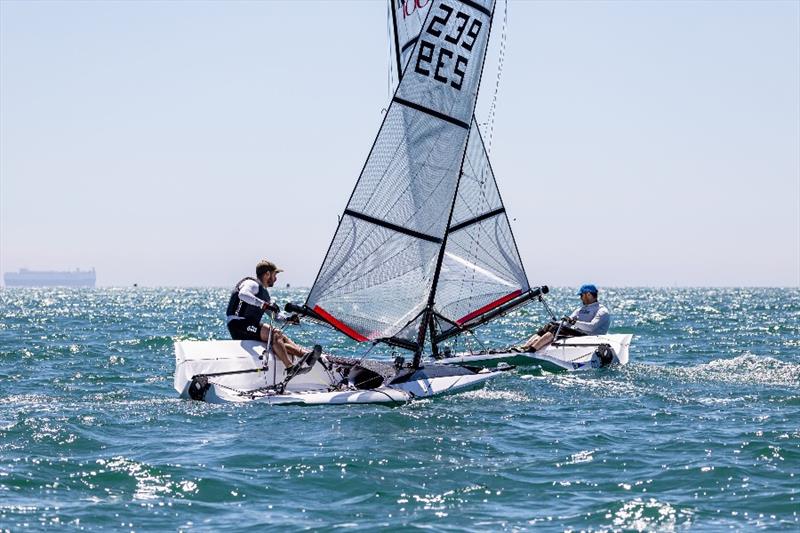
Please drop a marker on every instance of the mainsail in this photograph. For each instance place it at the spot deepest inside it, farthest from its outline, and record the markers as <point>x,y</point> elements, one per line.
<point>424,243</point>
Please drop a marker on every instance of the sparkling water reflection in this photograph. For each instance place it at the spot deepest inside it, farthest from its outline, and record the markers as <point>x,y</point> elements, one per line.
<point>700,430</point>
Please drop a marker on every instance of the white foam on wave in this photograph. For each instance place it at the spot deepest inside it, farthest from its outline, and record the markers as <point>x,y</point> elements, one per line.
<point>150,484</point>
<point>583,456</point>
<point>487,394</point>
<point>598,385</point>
<point>650,515</point>
<point>743,369</point>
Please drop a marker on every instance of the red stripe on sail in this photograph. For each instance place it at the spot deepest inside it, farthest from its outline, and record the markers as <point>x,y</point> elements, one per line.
<point>489,307</point>
<point>338,325</point>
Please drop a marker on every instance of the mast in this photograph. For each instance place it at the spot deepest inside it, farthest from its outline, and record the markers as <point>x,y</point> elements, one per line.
<point>428,322</point>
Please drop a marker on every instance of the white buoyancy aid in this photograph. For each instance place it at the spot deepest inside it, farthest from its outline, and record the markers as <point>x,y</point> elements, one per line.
<point>592,319</point>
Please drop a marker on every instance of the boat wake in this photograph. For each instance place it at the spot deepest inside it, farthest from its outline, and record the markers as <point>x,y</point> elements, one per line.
<point>495,395</point>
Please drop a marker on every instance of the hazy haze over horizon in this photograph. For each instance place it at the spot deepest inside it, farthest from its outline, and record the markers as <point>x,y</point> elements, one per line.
<point>176,143</point>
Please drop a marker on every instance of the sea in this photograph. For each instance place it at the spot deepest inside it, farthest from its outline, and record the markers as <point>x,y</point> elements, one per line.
<point>700,431</point>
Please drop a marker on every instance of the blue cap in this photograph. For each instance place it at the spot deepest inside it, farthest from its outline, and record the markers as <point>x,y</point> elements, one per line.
<point>587,288</point>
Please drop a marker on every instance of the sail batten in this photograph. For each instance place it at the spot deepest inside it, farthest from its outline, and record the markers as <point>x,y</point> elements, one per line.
<point>395,227</point>
<point>431,112</point>
<point>475,5</point>
<point>475,220</point>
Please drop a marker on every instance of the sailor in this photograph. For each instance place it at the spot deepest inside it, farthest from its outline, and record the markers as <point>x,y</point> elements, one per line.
<point>592,318</point>
<point>249,301</point>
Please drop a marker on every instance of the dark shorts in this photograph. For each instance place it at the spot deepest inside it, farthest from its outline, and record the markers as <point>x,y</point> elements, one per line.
<point>244,330</point>
<point>566,331</point>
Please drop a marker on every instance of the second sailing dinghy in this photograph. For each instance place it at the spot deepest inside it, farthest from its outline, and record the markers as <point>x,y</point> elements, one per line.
<point>423,249</point>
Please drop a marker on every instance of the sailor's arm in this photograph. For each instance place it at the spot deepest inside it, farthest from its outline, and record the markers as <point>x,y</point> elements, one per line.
<point>247,293</point>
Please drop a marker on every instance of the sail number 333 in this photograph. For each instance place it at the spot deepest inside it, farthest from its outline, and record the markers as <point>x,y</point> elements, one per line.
<point>448,65</point>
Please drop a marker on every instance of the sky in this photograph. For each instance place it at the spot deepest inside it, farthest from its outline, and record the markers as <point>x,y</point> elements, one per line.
<point>177,143</point>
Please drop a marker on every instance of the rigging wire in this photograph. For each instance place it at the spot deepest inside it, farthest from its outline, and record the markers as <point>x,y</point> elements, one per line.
<point>474,337</point>
<point>489,124</point>
<point>541,299</point>
<point>366,353</point>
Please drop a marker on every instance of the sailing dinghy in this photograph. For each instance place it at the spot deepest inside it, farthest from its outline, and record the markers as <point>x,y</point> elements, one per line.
<point>246,371</point>
<point>423,248</point>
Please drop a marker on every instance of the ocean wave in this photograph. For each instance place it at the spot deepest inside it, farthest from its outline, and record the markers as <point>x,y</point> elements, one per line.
<point>696,432</point>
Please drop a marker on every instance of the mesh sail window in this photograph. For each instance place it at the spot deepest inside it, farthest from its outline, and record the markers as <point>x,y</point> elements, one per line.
<point>378,274</point>
<point>481,269</point>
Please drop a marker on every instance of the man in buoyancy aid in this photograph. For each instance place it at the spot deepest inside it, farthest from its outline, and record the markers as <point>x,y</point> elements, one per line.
<point>591,319</point>
<point>249,301</point>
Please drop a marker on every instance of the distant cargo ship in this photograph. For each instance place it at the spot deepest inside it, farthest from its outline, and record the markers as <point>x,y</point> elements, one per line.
<point>49,278</point>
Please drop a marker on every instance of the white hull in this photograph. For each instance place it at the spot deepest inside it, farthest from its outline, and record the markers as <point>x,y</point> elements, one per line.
<point>319,386</point>
<point>572,354</point>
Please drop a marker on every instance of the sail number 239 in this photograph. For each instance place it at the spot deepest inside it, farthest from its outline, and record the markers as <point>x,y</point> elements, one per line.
<point>448,65</point>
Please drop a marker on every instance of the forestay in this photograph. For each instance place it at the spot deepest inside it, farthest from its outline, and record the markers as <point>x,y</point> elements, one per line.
<point>378,276</point>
